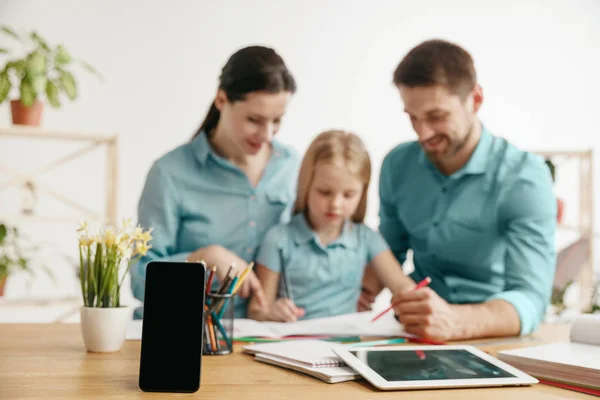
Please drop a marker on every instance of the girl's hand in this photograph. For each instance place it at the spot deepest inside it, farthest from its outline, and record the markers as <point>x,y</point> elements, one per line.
<point>365,301</point>
<point>284,310</point>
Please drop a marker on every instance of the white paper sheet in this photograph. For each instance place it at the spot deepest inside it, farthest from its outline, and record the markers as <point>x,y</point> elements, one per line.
<point>356,324</point>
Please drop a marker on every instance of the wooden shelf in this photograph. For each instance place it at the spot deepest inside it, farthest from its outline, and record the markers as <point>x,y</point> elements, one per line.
<point>108,141</point>
<point>22,131</point>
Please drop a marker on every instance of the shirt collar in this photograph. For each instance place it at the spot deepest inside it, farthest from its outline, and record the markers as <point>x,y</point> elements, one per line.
<point>477,164</point>
<point>302,233</point>
<point>202,149</point>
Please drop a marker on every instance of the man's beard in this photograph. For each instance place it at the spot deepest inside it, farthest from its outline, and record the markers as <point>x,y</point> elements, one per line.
<point>455,146</point>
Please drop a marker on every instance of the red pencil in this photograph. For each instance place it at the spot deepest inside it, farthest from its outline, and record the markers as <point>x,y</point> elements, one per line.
<point>426,341</point>
<point>211,276</point>
<point>421,284</point>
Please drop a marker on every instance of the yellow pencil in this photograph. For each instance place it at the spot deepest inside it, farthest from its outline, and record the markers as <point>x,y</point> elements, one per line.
<point>243,276</point>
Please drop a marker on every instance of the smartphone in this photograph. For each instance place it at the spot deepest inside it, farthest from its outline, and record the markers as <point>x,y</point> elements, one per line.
<point>173,320</point>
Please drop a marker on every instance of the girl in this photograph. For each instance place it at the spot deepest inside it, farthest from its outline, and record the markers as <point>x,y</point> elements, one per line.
<point>214,198</point>
<point>313,266</point>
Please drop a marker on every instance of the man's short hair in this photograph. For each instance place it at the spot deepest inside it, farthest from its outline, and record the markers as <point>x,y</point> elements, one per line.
<point>437,62</point>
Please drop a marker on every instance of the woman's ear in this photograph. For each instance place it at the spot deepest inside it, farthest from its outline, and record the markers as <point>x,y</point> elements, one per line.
<point>221,99</point>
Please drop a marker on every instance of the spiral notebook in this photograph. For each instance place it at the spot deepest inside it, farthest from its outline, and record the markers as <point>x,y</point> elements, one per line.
<point>308,352</point>
<point>327,374</point>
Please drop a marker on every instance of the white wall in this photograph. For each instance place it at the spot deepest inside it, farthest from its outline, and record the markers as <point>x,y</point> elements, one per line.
<point>538,62</point>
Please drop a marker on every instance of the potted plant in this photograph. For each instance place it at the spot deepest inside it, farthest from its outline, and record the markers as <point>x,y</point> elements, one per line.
<point>104,319</point>
<point>43,70</point>
<point>14,256</point>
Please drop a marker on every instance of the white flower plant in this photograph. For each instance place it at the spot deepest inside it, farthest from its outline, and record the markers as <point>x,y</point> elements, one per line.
<point>100,257</point>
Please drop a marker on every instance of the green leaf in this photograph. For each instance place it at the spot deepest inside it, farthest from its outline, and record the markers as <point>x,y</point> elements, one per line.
<point>23,263</point>
<point>52,94</point>
<point>27,93</point>
<point>91,69</point>
<point>18,66</point>
<point>38,83</point>
<point>4,90</point>
<point>36,63</point>
<point>62,56</point>
<point>67,82</point>
<point>6,30</point>
<point>2,232</point>
<point>3,51</point>
<point>39,41</point>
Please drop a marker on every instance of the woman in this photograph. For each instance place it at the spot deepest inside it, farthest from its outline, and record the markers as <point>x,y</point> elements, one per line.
<point>214,198</point>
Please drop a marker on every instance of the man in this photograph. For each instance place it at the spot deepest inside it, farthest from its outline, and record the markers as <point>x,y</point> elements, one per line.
<point>478,213</point>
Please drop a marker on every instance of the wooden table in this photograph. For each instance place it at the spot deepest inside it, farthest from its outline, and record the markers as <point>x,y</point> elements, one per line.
<point>49,361</point>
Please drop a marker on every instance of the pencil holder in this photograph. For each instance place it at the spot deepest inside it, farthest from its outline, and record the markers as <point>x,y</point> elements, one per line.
<point>218,324</point>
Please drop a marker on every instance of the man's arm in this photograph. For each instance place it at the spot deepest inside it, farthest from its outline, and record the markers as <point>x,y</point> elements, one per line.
<point>528,217</point>
<point>424,313</point>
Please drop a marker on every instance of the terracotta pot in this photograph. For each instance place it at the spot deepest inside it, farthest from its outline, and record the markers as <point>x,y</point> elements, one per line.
<point>2,284</point>
<point>22,115</point>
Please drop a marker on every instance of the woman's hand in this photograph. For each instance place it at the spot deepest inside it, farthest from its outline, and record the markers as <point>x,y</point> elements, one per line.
<point>223,259</point>
<point>252,287</point>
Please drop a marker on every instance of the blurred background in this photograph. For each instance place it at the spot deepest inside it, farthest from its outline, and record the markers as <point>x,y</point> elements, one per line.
<point>537,61</point>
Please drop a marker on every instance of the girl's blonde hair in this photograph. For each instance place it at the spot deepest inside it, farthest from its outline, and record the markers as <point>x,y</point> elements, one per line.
<point>335,147</point>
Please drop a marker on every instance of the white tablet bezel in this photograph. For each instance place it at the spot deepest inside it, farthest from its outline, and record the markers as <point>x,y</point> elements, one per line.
<point>520,379</point>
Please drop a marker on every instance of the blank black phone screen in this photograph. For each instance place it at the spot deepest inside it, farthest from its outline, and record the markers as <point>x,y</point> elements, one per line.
<point>173,318</point>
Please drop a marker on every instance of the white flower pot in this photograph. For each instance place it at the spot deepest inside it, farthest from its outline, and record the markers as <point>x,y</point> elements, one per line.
<point>104,329</point>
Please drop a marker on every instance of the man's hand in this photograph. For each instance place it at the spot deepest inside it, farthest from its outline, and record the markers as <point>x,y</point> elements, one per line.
<point>424,313</point>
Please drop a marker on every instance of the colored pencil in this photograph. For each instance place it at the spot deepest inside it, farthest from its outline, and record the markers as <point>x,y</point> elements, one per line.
<point>223,305</point>
<point>211,331</point>
<point>211,276</point>
<point>378,342</point>
<point>420,285</point>
<point>243,277</point>
<point>221,329</point>
<point>426,341</point>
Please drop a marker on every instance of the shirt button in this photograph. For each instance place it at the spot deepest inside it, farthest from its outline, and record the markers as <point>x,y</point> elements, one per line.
<point>251,224</point>
<point>249,250</point>
<point>444,190</point>
<point>435,223</point>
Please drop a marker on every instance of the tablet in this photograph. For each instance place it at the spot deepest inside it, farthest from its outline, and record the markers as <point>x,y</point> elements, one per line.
<point>430,367</point>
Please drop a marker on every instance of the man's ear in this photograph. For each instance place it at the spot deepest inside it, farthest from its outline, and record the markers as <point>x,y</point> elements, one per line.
<point>477,97</point>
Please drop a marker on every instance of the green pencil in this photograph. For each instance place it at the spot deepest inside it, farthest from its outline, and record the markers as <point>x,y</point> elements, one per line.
<point>378,342</point>
<point>266,340</point>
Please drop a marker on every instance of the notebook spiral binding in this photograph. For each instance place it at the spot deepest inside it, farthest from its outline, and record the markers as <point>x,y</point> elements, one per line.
<point>328,362</point>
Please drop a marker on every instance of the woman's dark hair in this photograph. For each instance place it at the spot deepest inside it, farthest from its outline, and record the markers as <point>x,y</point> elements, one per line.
<point>251,69</point>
